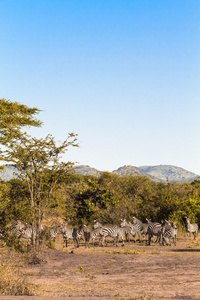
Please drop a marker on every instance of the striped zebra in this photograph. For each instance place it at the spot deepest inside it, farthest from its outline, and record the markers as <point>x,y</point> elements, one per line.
<point>170,233</point>
<point>97,224</point>
<point>53,231</point>
<point>155,229</point>
<point>191,228</point>
<point>90,235</point>
<point>130,229</point>
<point>121,232</point>
<point>66,233</point>
<point>143,227</point>
<point>27,234</point>
<point>77,234</point>
<point>110,231</point>
<point>114,232</point>
<point>15,228</point>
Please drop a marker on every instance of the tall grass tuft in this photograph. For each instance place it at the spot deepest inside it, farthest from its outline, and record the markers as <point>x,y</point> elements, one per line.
<point>13,282</point>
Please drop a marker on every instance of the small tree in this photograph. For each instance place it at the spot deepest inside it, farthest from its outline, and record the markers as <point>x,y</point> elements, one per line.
<point>38,162</point>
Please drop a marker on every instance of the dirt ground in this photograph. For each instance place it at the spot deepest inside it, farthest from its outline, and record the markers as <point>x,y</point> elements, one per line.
<point>135,271</point>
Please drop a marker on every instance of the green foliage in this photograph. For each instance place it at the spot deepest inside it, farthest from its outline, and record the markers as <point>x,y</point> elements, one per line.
<point>111,197</point>
<point>47,188</point>
<point>5,203</point>
<point>13,117</point>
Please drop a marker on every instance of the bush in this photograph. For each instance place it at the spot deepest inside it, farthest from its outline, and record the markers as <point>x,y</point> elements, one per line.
<point>12,281</point>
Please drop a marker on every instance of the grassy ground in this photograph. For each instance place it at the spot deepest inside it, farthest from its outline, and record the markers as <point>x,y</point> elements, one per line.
<point>135,271</point>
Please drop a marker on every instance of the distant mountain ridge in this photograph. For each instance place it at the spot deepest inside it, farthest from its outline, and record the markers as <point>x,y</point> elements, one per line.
<point>170,173</point>
<point>160,173</point>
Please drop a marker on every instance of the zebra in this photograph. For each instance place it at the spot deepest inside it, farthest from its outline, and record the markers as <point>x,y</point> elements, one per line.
<point>191,228</point>
<point>135,230</point>
<point>170,233</point>
<point>27,234</point>
<point>90,235</point>
<point>107,231</point>
<point>77,234</point>
<point>53,231</point>
<point>143,227</point>
<point>115,232</point>
<point>15,228</point>
<point>156,229</point>
<point>97,224</point>
<point>130,229</point>
<point>66,233</point>
<point>121,232</point>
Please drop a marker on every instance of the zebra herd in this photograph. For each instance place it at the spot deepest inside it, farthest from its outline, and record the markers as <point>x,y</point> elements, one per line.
<point>165,232</point>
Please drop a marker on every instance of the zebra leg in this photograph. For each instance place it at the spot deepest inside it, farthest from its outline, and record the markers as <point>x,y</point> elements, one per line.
<point>149,239</point>
<point>127,235</point>
<point>102,241</point>
<point>93,242</point>
<point>122,241</point>
<point>115,241</point>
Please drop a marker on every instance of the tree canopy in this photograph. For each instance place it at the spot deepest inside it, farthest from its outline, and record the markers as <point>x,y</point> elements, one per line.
<point>13,117</point>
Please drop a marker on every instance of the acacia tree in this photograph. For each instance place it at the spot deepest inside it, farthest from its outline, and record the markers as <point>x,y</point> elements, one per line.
<point>39,164</point>
<point>13,117</point>
<point>37,160</point>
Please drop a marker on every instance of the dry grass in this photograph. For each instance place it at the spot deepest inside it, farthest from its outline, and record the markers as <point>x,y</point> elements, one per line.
<point>12,281</point>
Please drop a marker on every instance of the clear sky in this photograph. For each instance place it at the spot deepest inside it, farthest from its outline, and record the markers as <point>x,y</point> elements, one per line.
<point>122,74</point>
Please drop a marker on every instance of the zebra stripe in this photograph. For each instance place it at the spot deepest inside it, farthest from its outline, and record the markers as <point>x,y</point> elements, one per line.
<point>155,229</point>
<point>191,228</point>
<point>90,235</point>
<point>77,234</point>
<point>15,228</point>
<point>170,233</point>
<point>143,227</point>
<point>121,232</point>
<point>53,231</point>
<point>107,231</point>
<point>66,233</point>
<point>97,224</point>
<point>128,229</point>
<point>135,230</point>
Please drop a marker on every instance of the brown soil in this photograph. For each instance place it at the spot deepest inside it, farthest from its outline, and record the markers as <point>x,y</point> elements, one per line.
<point>135,271</point>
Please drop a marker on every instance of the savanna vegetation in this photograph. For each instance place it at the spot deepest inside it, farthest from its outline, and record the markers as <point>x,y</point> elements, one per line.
<point>49,191</point>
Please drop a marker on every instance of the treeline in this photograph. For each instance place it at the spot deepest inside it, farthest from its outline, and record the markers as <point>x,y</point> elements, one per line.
<point>108,198</point>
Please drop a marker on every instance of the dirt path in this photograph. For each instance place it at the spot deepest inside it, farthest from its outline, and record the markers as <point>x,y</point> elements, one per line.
<point>136,270</point>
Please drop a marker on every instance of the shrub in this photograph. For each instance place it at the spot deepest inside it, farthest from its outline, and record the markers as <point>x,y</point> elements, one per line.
<point>12,281</point>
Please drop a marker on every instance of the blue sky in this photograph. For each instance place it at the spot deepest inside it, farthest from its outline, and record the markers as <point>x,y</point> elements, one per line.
<point>123,75</point>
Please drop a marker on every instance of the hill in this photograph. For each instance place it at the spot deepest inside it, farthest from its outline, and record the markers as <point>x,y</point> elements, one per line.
<point>87,170</point>
<point>170,173</point>
<point>130,170</point>
<point>162,173</point>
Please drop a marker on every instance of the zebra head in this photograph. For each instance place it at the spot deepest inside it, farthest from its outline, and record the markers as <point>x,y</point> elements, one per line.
<point>85,228</point>
<point>123,223</point>
<point>187,220</point>
<point>174,225</point>
<point>97,224</point>
<point>63,227</point>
